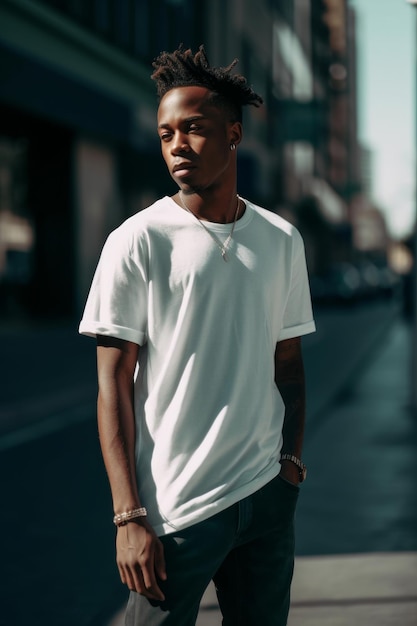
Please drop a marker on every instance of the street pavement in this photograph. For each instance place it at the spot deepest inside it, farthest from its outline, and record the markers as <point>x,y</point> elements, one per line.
<point>366,589</point>
<point>357,514</point>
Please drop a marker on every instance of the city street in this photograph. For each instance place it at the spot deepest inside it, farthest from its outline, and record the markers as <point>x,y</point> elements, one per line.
<point>360,496</point>
<point>305,110</point>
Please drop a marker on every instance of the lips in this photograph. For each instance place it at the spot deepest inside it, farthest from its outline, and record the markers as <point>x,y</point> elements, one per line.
<point>184,166</point>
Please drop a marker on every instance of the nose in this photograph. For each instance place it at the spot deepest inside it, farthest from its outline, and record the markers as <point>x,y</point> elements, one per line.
<point>179,143</point>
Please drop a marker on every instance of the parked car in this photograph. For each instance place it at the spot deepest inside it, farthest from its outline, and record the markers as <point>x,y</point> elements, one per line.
<point>348,283</point>
<point>339,285</point>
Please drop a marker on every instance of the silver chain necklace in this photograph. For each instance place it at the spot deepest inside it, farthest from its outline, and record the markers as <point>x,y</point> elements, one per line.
<point>223,247</point>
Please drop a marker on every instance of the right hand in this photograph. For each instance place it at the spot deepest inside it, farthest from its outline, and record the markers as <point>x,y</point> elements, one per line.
<point>140,558</point>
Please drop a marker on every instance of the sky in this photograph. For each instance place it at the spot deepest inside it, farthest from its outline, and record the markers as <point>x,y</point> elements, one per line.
<point>386,34</point>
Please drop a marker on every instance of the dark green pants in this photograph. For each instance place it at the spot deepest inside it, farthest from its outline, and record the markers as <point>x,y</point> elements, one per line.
<point>248,550</point>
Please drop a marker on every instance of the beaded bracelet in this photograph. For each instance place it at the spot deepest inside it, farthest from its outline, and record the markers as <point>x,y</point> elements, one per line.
<point>120,519</point>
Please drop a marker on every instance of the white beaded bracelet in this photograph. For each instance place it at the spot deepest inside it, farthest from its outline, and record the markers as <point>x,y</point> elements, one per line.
<point>120,519</point>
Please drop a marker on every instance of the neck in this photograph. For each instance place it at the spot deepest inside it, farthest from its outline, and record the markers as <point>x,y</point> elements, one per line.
<point>214,208</point>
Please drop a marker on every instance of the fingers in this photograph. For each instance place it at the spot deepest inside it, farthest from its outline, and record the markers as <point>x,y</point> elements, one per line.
<point>132,577</point>
<point>122,574</point>
<point>140,572</point>
<point>148,570</point>
<point>144,582</point>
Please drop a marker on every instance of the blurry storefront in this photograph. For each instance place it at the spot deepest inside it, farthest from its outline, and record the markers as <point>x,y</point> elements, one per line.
<point>78,145</point>
<point>36,251</point>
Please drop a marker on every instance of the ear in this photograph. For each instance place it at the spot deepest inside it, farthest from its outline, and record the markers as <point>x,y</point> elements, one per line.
<point>235,133</point>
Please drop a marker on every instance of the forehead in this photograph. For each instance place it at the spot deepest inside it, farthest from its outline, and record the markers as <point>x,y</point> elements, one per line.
<point>183,102</point>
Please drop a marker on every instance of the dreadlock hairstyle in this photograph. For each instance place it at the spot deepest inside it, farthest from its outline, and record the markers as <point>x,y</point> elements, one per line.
<point>183,69</point>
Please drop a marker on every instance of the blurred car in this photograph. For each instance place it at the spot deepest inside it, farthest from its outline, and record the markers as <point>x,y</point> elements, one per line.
<point>370,279</point>
<point>348,283</point>
<point>339,285</point>
<point>391,283</point>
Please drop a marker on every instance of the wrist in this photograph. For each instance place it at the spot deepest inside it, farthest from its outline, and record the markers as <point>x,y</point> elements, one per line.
<point>123,518</point>
<point>294,465</point>
<point>290,473</point>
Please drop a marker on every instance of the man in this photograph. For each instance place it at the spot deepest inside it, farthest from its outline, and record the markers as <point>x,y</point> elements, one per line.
<point>198,304</point>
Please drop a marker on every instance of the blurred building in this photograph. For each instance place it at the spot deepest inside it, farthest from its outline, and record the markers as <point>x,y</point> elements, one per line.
<point>317,116</point>
<point>410,273</point>
<point>365,160</point>
<point>78,147</point>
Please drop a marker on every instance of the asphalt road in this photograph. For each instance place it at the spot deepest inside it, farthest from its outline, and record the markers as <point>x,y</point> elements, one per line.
<point>57,535</point>
<point>361,495</point>
<point>58,561</point>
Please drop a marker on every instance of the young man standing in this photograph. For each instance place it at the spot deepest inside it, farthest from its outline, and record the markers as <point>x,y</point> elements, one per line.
<point>198,305</point>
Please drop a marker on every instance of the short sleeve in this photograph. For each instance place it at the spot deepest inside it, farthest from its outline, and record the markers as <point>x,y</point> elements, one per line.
<point>118,299</point>
<point>298,315</point>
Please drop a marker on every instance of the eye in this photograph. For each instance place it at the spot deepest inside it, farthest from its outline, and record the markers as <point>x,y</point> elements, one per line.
<point>194,127</point>
<point>166,136</point>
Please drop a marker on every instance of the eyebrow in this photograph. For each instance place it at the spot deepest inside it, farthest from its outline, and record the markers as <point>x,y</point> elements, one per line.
<point>187,120</point>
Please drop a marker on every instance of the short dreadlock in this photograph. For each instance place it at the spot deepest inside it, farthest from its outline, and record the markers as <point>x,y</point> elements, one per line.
<point>183,69</point>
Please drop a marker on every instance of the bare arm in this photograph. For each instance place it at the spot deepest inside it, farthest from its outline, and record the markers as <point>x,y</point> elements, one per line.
<point>139,552</point>
<point>289,378</point>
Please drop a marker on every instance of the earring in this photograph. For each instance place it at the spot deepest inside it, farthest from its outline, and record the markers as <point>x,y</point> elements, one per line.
<point>232,146</point>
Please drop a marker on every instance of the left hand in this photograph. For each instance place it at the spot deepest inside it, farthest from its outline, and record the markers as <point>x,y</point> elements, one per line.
<point>140,558</point>
<point>289,471</point>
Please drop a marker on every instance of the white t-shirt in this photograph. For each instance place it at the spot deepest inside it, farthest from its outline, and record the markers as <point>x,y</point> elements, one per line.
<point>208,413</point>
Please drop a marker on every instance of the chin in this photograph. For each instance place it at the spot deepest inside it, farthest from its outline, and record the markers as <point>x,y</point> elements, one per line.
<point>188,188</point>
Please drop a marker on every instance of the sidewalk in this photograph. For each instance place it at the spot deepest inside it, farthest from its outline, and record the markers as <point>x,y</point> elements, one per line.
<point>367,590</point>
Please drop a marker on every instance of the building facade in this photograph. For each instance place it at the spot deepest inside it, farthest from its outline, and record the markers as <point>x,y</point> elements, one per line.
<point>78,145</point>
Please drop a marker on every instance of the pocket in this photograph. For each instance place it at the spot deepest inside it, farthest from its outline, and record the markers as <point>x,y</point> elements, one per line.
<point>276,505</point>
<point>288,484</point>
